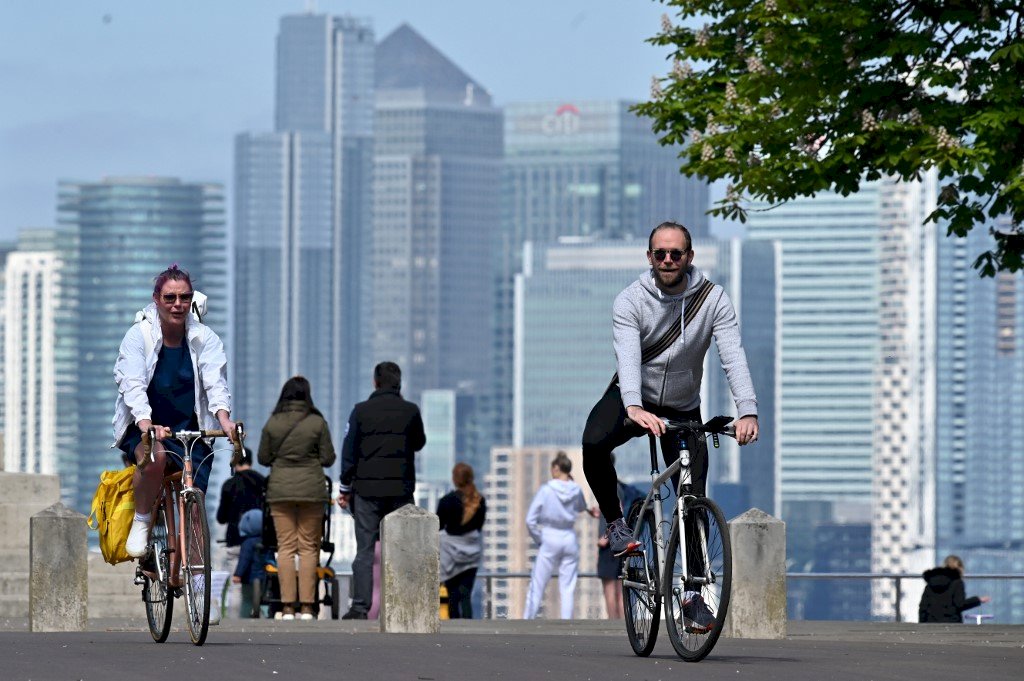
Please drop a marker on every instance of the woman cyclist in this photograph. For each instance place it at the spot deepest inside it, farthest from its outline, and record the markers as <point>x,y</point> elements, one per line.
<point>171,374</point>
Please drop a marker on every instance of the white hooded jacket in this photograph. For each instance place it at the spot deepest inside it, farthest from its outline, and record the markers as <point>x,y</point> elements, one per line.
<point>555,505</point>
<point>136,364</point>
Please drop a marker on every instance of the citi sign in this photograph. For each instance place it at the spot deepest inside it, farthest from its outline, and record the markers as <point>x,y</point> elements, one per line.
<point>565,121</point>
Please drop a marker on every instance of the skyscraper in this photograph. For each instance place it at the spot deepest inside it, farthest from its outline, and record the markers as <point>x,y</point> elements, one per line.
<point>437,164</point>
<point>125,231</point>
<point>301,218</point>
<point>828,344</point>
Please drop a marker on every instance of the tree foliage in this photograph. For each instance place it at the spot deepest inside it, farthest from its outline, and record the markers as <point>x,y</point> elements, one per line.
<point>788,98</point>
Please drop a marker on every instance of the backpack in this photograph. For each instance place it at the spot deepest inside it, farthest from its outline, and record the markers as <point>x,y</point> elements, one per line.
<point>113,509</point>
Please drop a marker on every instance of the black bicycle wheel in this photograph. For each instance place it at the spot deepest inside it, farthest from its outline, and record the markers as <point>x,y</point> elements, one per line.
<point>159,601</point>
<point>696,608</point>
<point>335,602</point>
<point>196,567</point>
<point>641,595</point>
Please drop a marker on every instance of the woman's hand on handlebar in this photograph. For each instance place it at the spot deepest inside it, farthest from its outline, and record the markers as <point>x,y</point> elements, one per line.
<point>161,432</point>
<point>227,425</point>
<point>746,430</point>
<point>646,420</point>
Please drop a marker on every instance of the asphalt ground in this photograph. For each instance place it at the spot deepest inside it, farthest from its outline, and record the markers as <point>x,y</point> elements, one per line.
<point>514,650</point>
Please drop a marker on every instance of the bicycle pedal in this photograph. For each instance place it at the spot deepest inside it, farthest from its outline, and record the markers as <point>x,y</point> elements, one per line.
<point>634,549</point>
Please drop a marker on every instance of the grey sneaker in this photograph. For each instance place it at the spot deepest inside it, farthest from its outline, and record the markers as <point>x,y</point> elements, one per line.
<point>698,615</point>
<point>620,538</point>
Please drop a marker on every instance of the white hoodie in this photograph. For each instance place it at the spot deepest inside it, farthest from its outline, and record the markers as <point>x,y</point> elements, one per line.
<point>556,504</point>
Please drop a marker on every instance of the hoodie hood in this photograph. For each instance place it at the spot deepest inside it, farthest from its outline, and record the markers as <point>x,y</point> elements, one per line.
<point>565,490</point>
<point>941,578</point>
<point>694,280</point>
<point>251,523</point>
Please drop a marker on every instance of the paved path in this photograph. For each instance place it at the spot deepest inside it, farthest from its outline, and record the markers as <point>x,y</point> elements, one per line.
<point>471,651</point>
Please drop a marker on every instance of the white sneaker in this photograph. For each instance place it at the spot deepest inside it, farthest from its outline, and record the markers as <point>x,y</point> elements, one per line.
<point>278,615</point>
<point>288,617</point>
<point>138,538</point>
<point>214,615</point>
<point>306,616</point>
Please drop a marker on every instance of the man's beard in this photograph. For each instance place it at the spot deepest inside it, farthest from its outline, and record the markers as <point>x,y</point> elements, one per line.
<point>671,279</point>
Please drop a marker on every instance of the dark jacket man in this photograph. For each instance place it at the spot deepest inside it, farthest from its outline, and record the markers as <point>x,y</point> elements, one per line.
<point>384,434</point>
<point>241,492</point>
<point>378,470</point>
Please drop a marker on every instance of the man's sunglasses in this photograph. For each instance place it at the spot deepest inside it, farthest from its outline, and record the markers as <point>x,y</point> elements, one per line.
<point>674,254</point>
<point>170,298</point>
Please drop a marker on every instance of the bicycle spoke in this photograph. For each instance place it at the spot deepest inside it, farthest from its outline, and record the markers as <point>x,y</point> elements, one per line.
<point>642,604</point>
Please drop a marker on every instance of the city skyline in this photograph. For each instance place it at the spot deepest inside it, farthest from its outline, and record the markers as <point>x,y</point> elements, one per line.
<point>127,89</point>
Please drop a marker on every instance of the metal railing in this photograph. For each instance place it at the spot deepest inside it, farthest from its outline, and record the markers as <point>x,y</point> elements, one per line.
<point>896,578</point>
<point>489,578</point>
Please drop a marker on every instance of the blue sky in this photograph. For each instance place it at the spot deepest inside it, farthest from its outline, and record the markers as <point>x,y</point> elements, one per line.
<point>121,87</point>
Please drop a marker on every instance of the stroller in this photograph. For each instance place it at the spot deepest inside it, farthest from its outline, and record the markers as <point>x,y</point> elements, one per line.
<point>269,592</point>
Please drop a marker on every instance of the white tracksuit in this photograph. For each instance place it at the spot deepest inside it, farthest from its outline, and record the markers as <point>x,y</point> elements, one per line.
<point>551,521</point>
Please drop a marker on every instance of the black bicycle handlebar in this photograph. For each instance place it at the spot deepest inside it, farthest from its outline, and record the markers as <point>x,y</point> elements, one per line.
<point>719,425</point>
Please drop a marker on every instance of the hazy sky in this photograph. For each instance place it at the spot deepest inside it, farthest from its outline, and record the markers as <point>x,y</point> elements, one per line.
<point>124,87</point>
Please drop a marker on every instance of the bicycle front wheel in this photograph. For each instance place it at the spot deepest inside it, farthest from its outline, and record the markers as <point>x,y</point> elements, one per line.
<point>641,595</point>
<point>196,567</point>
<point>158,600</point>
<point>696,607</point>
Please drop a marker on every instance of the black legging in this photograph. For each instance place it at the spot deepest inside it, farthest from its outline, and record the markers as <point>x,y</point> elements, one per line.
<point>605,431</point>
<point>460,591</point>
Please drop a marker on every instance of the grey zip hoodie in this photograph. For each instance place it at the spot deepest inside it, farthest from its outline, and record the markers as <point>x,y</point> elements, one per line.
<point>642,313</point>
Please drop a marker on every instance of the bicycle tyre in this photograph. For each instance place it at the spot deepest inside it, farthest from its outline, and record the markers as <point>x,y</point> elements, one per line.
<point>692,642</point>
<point>196,567</point>
<point>642,611</point>
<point>158,599</point>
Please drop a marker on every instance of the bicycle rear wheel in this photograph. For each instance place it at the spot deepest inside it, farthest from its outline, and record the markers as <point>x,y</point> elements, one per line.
<point>642,606</point>
<point>158,599</point>
<point>196,567</point>
<point>696,609</point>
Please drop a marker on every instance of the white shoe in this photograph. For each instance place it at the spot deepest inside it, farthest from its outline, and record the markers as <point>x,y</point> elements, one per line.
<point>288,617</point>
<point>138,539</point>
<point>214,615</point>
<point>278,615</point>
<point>306,616</point>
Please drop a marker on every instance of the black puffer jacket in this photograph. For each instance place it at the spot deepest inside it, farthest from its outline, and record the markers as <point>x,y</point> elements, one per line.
<point>384,434</point>
<point>943,598</point>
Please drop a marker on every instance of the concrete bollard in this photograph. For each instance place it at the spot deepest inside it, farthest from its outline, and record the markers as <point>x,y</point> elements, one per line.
<point>410,570</point>
<point>58,588</point>
<point>757,608</point>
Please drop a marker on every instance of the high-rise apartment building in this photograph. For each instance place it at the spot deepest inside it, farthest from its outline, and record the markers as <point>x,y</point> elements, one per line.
<point>31,297</point>
<point>125,231</point>
<point>301,219</point>
<point>581,168</point>
<point>437,165</point>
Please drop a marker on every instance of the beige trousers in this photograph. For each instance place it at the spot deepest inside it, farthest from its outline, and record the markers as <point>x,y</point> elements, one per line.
<point>299,528</point>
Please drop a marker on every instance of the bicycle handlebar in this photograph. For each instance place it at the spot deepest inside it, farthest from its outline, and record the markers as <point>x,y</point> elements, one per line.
<point>150,436</point>
<point>720,425</point>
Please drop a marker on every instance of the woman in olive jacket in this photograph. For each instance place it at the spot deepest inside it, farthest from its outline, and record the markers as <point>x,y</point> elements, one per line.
<point>296,445</point>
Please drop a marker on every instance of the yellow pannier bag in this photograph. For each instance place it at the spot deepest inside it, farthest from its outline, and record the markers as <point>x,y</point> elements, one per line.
<point>113,509</point>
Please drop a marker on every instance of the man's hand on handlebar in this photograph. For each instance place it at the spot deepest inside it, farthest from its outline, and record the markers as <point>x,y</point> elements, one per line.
<point>746,430</point>
<point>646,420</point>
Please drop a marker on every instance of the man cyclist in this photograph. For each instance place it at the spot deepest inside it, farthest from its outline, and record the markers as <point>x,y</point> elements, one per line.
<point>668,383</point>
